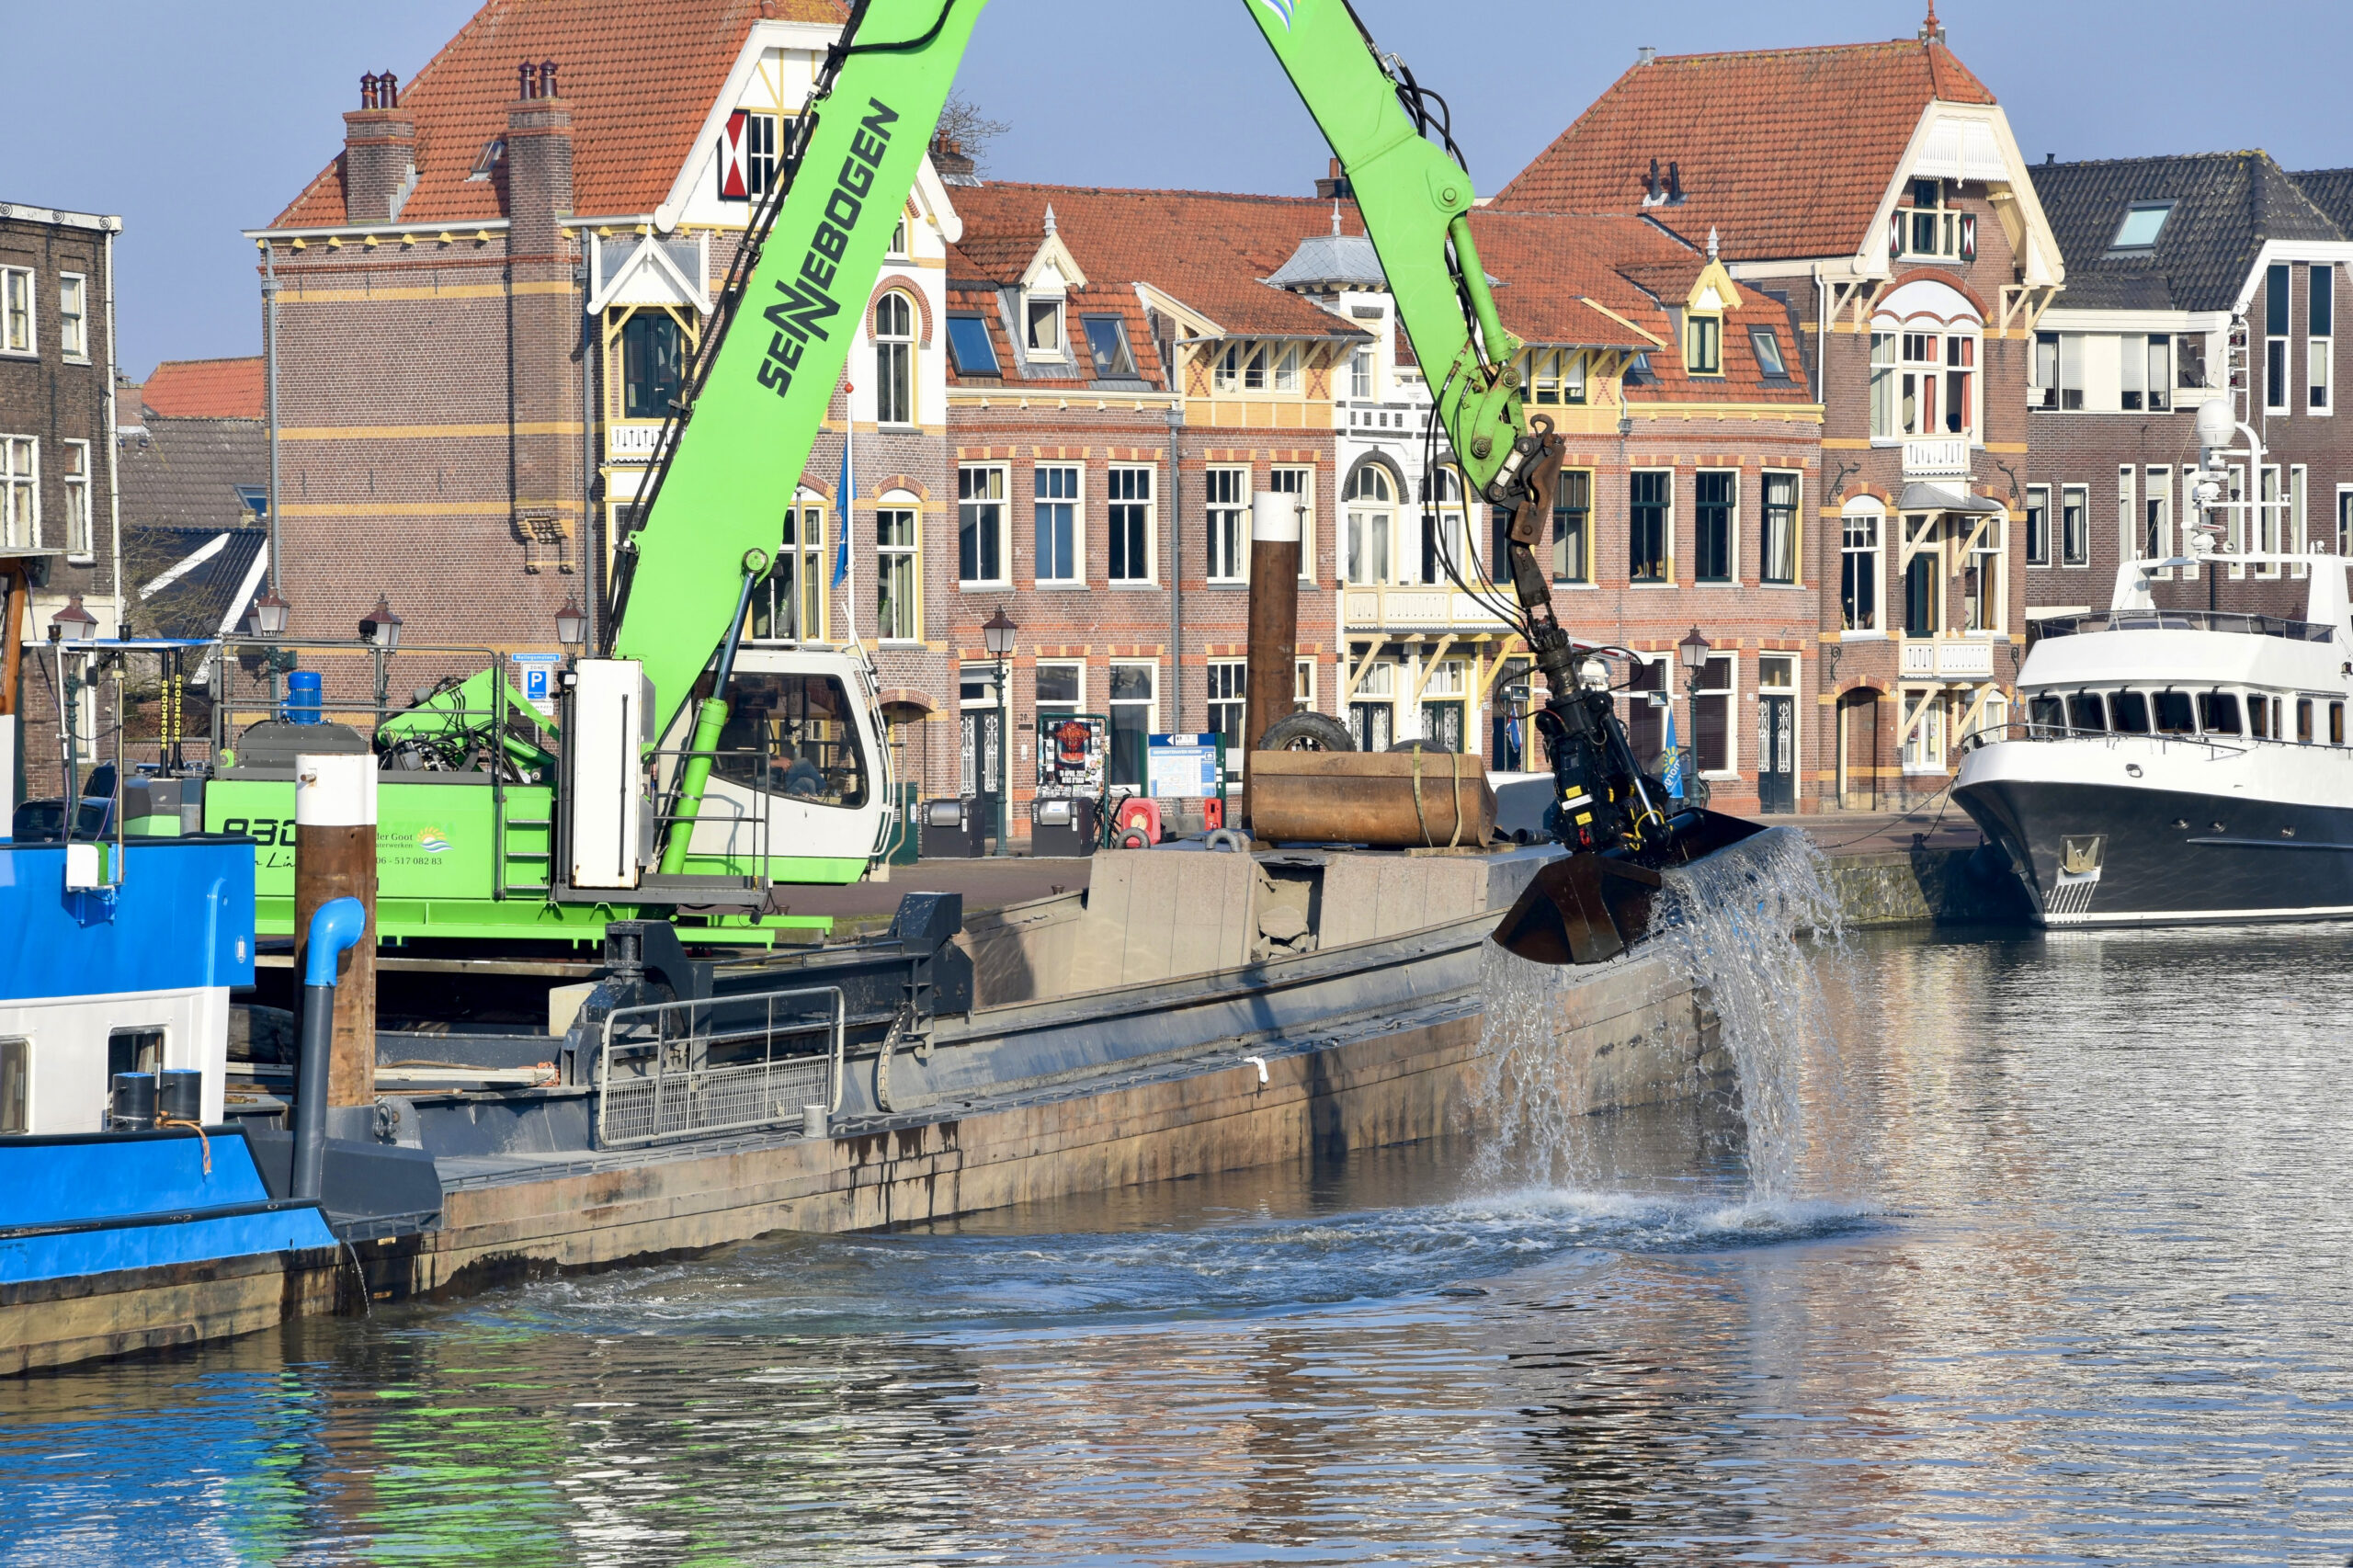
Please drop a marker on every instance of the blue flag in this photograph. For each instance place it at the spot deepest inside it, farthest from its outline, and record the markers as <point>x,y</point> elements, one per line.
<point>1673,777</point>
<point>841,541</point>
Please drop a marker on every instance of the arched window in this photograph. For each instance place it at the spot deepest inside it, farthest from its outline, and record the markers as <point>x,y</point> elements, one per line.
<point>1372,510</point>
<point>894,361</point>
<point>1924,338</point>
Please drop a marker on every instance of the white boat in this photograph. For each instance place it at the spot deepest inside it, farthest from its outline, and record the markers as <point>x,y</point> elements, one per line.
<point>2172,765</point>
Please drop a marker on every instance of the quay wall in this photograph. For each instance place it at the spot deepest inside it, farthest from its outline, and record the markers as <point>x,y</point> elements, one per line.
<point>1924,887</point>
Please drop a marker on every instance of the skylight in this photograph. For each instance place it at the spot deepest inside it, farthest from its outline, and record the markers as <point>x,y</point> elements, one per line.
<point>2142,224</point>
<point>967,341</point>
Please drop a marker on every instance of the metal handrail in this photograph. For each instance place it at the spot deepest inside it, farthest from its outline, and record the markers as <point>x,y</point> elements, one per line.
<point>2030,729</point>
<point>663,1040</point>
<point>2185,621</point>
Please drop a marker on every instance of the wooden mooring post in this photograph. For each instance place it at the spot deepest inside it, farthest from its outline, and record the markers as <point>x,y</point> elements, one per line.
<point>334,856</point>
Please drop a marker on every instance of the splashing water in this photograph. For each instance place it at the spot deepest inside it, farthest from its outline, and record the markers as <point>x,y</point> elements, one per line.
<point>1749,930</point>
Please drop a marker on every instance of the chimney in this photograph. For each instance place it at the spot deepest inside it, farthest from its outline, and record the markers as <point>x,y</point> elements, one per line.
<point>1335,186</point>
<point>538,163</point>
<point>379,152</point>
<point>952,162</point>
<point>1645,55</point>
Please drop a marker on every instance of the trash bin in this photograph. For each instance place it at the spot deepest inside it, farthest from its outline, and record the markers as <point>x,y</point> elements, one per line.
<point>952,830</point>
<point>1061,827</point>
<point>905,842</point>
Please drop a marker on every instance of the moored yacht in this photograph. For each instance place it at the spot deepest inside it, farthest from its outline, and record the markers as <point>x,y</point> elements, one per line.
<point>2176,765</point>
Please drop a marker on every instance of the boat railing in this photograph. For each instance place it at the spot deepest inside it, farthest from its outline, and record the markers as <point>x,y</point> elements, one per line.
<point>719,1065</point>
<point>2030,729</point>
<point>2185,621</point>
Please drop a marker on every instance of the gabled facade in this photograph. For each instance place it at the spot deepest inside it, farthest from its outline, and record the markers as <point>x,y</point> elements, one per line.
<point>2191,279</point>
<point>1875,192</point>
<point>193,450</point>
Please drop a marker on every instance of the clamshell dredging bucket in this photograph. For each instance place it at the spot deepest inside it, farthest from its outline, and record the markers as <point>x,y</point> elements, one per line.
<point>1590,908</point>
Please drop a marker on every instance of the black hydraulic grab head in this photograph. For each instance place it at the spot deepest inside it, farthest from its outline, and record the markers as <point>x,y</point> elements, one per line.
<point>1588,908</point>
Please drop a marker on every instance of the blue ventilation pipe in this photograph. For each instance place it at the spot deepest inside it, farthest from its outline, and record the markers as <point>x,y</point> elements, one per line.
<point>335,927</point>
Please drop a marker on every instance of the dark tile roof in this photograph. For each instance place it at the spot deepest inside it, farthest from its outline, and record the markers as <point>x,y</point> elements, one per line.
<point>187,473</point>
<point>2225,205</point>
<point>211,573</point>
<point>2331,190</point>
<point>1787,152</point>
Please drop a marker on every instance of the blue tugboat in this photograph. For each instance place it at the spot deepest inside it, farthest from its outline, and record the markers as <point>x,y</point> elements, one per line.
<point>132,1216</point>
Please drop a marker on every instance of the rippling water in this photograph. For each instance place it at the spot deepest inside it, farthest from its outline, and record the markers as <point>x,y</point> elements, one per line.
<point>2088,1302</point>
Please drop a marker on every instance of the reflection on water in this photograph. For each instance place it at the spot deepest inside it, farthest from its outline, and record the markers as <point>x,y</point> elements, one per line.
<point>2089,1305</point>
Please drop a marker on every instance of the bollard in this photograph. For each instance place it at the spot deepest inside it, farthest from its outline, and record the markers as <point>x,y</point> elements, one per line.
<point>334,856</point>
<point>1272,692</point>
<point>338,923</point>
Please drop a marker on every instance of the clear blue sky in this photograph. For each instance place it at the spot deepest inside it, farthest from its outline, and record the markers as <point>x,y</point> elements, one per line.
<point>209,116</point>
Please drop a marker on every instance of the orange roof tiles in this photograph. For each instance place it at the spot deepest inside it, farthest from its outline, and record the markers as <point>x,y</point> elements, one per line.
<point>205,388</point>
<point>1785,152</point>
<point>639,80</point>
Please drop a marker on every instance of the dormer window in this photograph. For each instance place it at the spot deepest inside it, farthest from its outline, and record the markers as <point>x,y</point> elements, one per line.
<point>1555,377</point>
<point>1932,228</point>
<point>1045,327</point>
<point>1703,343</point>
<point>2143,221</point>
<point>493,154</point>
<point>1106,343</point>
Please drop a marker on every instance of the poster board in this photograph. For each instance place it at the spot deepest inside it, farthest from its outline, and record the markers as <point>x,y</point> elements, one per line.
<point>1073,749</point>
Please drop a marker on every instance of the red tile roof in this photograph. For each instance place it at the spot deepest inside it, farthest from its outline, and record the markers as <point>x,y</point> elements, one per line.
<point>639,79</point>
<point>1785,151</point>
<point>205,388</point>
<point>1206,249</point>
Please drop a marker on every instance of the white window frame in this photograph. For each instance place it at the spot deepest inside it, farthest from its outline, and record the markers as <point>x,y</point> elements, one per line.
<point>1151,706</point>
<point>1058,705</point>
<point>1235,675</point>
<point>20,492</point>
<point>1116,478</point>
<point>1992,554</point>
<point>1921,748</point>
<point>2270,525</point>
<point>2344,519</point>
<point>896,248</point>
<point>1286,371</point>
<point>2156,513</point>
<point>2278,277</point>
<point>2128,512</point>
<point>901,346</point>
<point>1731,694</point>
<point>16,303</point>
<point>2320,349</point>
<point>1876,548</point>
<point>2042,508</point>
<point>1298,479</point>
<point>1225,523</point>
<point>73,326</point>
<point>1001,501</point>
<point>812,562</point>
<point>2083,492</point>
<point>1076,501</point>
<point>1796,476</point>
<point>1352,507</point>
<point>2298,523</point>
<point>1059,305</point>
<point>911,551</point>
<point>79,537</point>
<point>1363,375</point>
<point>1302,682</point>
<point>1452,519</point>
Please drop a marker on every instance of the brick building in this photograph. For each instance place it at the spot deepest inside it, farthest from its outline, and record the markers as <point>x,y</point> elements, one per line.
<point>1875,192</point>
<point>2190,278</point>
<point>59,539</point>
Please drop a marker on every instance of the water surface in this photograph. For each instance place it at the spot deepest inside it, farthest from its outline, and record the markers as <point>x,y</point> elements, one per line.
<point>2058,1274</point>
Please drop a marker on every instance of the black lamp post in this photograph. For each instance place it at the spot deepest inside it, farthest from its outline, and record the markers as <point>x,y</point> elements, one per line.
<point>1693,651</point>
<point>268,617</point>
<point>381,630</point>
<point>998,632</point>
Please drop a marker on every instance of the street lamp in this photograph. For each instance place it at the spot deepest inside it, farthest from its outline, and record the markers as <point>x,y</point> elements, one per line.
<point>570,624</point>
<point>1693,651</point>
<point>380,626</point>
<point>268,615</point>
<point>998,632</point>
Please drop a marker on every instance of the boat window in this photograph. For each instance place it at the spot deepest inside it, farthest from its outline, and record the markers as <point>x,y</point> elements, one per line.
<point>791,734</point>
<point>2173,714</point>
<point>2045,715</point>
<point>2337,723</point>
<point>2218,712</point>
<point>2258,717</point>
<point>16,1085</point>
<point>2131,710</point>
<point>2086,711</point>
<point>135,1050</point>
<point>2303,720</point>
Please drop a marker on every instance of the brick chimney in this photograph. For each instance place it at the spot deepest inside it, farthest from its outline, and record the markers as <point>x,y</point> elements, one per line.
<point>953,164</point>
<point>379,152</point>
<point>538,163</point>
<point>1334,185</point>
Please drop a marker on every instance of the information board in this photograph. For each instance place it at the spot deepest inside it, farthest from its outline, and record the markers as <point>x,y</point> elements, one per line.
<point>535,678</point>
<point>1183,766</point>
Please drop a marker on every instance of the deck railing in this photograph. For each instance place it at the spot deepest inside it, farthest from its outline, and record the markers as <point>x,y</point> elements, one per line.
<point>680,1069</point>
<point>2185,621</point>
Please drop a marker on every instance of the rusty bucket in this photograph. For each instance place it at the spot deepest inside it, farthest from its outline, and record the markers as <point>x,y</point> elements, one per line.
<point>1588,908</point>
